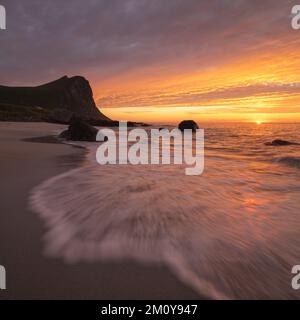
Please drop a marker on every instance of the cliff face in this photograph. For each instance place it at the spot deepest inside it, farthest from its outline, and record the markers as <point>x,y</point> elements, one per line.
<point>56,101</point>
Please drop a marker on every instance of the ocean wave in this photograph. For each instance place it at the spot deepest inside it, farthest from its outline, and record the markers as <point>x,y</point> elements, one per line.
<point>106,224</point>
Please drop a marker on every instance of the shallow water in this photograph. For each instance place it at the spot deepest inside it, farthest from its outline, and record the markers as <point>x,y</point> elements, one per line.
<point>232,232</point>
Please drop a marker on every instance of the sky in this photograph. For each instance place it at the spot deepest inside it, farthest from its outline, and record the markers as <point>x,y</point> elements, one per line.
<point>161,60</point>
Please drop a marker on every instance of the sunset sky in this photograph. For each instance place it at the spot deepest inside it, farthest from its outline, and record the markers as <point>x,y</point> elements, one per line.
<point>162,60</point>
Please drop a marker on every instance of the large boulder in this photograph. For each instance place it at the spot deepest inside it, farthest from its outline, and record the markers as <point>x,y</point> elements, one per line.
<point>188,124</point>
<point>279,142</point>
<point>79,130</point>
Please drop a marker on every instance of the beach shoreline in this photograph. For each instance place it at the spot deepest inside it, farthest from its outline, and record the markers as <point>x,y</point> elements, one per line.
<point>26,162</point>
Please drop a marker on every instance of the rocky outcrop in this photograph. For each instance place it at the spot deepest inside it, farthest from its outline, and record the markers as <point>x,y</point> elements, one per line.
<point>79,130</point>
<point>56,101</point>
<point>279,142</point>
<point>188,124</point>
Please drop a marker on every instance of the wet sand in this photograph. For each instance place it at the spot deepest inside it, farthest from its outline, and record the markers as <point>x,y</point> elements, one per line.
<point>25,163</point>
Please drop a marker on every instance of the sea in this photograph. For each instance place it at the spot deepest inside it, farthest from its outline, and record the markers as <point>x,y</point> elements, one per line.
<point>232,232</point>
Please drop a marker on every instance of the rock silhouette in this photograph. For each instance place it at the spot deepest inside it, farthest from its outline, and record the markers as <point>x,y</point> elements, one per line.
<point>56,101</point>
<point>79,130</point>
<point>279,142</point>
<point>188,124</point>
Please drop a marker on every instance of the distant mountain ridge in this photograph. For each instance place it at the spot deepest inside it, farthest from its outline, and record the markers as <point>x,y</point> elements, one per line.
<point>56,101</point>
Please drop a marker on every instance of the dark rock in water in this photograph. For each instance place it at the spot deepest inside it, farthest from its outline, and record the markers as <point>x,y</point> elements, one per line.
<point>56,101</point>
<point>279,142</point>
<point>289,161</point>
<point>188,124</point>
<point>79,130</point>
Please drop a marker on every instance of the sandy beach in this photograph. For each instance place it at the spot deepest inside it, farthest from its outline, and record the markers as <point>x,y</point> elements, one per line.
<point>31,274</point>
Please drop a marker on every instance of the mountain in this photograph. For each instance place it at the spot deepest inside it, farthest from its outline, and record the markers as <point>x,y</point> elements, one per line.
<point>56,101</point>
